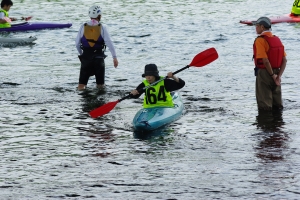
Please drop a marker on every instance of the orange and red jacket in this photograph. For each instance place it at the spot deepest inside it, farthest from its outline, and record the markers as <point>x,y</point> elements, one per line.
<point>275,53</point>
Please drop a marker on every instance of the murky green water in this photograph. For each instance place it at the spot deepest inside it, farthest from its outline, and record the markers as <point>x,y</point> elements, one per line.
<point>220,149</point>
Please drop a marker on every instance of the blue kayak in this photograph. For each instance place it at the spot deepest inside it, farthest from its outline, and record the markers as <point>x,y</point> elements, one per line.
<point>28,26</point>
<point>148,119</point>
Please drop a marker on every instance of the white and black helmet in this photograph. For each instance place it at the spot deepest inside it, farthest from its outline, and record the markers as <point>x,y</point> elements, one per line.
<point>94,11</point>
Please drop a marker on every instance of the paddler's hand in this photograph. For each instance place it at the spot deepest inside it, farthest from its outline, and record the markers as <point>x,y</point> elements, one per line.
<point>6,19</point>
<point>134,92</point>
<point>277,80</point>
<point>116,63</point>
<point>170,75</point>
<point>26,18</point>
<point>274,77</point>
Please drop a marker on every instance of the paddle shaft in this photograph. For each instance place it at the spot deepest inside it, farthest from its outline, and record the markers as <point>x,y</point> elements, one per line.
<point>25,18</point>
<point>9,20</point>
<point>145,88</point>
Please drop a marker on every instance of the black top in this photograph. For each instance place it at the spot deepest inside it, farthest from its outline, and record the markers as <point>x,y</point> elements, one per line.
<point>170,85</point>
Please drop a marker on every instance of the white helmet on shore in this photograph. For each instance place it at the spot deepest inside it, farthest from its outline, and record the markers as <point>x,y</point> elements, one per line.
<point>94,11</point>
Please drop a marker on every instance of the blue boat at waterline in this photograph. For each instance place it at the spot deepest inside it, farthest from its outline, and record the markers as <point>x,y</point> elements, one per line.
<point>29,26</point>
<point>148,119</point>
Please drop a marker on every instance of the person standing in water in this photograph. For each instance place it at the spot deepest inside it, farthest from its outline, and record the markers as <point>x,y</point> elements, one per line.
<point>270,62</point>
<point>91,42</point>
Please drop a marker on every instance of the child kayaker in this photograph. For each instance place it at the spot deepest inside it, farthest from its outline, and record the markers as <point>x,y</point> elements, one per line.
<point>296,8</point>
<point>157,95</point>
<point>5,20</point>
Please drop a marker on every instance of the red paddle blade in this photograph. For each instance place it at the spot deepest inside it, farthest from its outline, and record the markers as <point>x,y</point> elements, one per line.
<point>205,57</point>
<point>102,110</point>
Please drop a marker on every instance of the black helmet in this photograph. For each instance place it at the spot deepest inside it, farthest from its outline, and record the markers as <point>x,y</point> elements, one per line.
<point>150,70</point>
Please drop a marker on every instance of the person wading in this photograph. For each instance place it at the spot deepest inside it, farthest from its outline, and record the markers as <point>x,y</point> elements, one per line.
<point>270,62</point>
<point>91,42</point>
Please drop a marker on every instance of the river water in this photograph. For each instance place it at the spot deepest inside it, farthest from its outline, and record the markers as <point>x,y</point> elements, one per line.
<point>221,148</point>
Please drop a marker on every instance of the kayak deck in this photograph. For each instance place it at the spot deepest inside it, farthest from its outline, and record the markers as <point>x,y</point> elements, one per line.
<point>148,119</point>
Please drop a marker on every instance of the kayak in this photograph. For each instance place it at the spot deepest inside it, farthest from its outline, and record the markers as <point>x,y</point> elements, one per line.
<point>148,119</point>
<point>28,26</point>
<point>287,18</point>
<point>17,40</point>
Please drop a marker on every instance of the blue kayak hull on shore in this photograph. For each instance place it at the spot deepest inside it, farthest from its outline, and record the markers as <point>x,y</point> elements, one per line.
<point>148,119</point>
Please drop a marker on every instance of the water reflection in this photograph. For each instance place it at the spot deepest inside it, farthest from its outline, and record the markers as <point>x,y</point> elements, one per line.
<point>92,99</point>
<point>272,141</point>
<point>101,137</point>
<point>270,121</point>
<point>152,135</point>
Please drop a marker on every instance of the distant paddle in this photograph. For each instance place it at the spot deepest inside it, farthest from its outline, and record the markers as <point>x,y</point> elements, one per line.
<point>7,19</point>
<point>26,18</point>
<point>200,60</point>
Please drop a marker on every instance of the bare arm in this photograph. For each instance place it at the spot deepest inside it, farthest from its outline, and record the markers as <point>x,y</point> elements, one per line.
<point>282,67</point>
<point>268,66</point>
<point>270,70</point>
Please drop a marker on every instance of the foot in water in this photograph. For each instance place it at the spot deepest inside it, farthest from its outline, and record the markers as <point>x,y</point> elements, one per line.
<point>101,87</point>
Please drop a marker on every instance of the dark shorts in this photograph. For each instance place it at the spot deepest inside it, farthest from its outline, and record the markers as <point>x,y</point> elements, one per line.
<point>90,67</point>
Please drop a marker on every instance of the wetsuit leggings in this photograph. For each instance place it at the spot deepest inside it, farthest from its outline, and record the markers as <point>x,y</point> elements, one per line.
<point>90,67</point>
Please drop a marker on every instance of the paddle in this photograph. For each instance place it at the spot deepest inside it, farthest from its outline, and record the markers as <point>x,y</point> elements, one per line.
<point>7,19</point>
<point>200,60</point>
<point>26,18</point>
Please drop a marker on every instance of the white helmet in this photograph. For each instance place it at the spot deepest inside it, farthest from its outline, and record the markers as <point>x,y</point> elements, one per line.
<point>94,11</point>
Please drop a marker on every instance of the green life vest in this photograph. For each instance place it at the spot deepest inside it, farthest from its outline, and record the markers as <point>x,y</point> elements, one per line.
<point>4,25</point>
<point>296,7</point>
<point>157,96</point>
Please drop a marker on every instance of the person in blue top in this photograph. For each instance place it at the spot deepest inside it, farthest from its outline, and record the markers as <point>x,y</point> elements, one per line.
<point>4,16</point>
<point>157,95</point>
<point>296,8</point>
<point>91,42</point>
